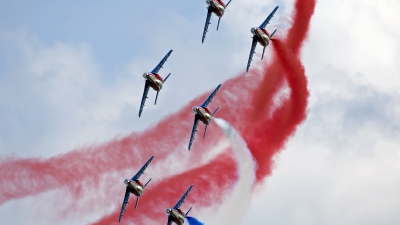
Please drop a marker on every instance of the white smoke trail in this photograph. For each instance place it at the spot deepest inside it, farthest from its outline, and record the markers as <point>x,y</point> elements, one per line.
<point>234,208</point>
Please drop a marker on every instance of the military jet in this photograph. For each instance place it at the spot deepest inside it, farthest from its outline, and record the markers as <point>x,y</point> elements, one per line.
<point>175,214</point>
<point>135,187</point>
<point>153,80</point>
<point>218,8</point>
<point>262,36</point>
<point>204,114</point>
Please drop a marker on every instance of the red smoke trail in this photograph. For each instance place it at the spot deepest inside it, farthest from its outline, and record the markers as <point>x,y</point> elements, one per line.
<point>272,74</point>
<point>264,140</point>
<point>266,136</point>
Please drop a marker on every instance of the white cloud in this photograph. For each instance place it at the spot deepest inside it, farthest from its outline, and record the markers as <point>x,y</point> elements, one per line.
<point>340,168</point>
<point>342,165</point>
<point>53,98</point>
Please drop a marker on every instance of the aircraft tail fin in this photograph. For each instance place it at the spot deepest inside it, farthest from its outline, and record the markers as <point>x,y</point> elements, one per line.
<point>137,201</point>
<point>272,33</point>
<point>218,22</point>
<point>188,211</point>
<point>205,130</point>
<point>215,111</point>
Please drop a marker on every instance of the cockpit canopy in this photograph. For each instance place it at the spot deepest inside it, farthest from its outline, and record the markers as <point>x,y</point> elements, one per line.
<point>126,182</point>
<point>253,30</point>
<point>194,109</point>
<point>145,75</point>
<point>168,211</point>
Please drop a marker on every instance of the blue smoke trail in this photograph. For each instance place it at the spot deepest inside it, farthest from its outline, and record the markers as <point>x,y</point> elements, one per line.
<point>193,221</point>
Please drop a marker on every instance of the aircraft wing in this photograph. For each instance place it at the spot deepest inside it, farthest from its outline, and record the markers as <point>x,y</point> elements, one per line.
<point>266,21</point>
<point>161,63</point>
<point>208,100</point>
<point>169,221</point>
<point>183,198</point>
<point>252,51</point>
<point>207,23</point>
<point>196,122</point>
<point>141,171</point>
<point>126,198</point>
<point>144,97</point>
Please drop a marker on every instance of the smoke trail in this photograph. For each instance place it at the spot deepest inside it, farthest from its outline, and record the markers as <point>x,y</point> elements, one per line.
<point>265,136</point>
<point>93,161</point>
<point>231,212</point>
<point>209,180</point>
<point>193,221</point>
<point>218,174</point>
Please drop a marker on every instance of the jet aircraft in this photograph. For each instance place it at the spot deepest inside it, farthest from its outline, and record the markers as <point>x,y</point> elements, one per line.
<point>262,36</point>
<point>218,8</point>
<point>175,214</point>
<point>135,187</point>
<point>204,114</point>
<point>154,80</point>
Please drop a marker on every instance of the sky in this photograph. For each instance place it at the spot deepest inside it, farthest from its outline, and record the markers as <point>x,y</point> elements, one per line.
<point>70,76</point>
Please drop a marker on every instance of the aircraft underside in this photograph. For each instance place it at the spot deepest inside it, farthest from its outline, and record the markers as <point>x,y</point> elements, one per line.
<point>155,83</point>
<point>177,217</point>
<point>135,188</point>
<point>218,8</point>
<point>263,38</point>
<point>205,116</point>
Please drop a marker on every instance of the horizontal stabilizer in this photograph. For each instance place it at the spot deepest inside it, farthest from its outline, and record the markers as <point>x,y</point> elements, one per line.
<point>262,56</point>
<point>272,33</point>
<point>155,102</point>
<point>215,111</point>
<point>188,211</point>
<point>205,130</point>
<point>165,79</point>
<point>137,201</point>
<point>147,182</point>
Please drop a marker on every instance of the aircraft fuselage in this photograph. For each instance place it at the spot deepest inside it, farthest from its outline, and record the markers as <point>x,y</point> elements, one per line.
<point>135,187</point>
<point>156,81</point>
<point>177,216</point>
<point>262,36</point>
<point>218,7</point>
<point>204,113</point>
